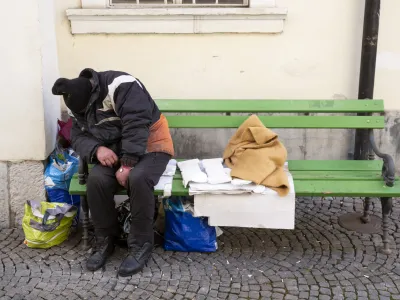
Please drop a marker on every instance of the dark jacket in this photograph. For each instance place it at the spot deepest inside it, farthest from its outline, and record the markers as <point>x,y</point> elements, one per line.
<point>119,115</point>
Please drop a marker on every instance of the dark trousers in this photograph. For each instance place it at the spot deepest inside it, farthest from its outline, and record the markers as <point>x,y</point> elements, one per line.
<point>102,186</point>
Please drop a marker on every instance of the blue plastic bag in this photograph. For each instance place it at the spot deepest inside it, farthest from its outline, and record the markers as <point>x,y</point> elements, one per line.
<point>62,166</point>
<point>186,233</point>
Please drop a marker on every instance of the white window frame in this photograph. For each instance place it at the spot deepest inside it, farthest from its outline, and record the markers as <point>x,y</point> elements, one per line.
<point>99,16</point>
<point>176,3</point>
<point>90,4</point>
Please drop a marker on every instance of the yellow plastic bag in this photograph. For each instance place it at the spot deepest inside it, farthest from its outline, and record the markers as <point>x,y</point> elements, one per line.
<point>47,224</point>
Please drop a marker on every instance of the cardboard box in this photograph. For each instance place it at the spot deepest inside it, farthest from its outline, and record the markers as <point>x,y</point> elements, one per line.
<point>248,210</point>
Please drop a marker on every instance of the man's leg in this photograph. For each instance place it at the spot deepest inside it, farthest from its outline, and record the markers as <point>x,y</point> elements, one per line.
<point>142,180</point>
<point>101,187</point>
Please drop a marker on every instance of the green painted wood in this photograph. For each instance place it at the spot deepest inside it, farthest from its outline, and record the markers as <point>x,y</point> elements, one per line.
<point>328,175</point>
<point>327,188</point>
<point>122,192</point>
<point>271,106</point>
<point>75,188</point>
<point>337,175</point>
<point>346,188</point>
<point>325,175</point>
<point>338,122</point>
<point>335,170</point>
<point>331,165</point>
<point>320,188</point>
<point>326,165</point>
<point>326,169</point>
<point>335,165</point>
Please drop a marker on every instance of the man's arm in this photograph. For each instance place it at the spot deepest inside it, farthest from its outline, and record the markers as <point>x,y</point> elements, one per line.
<point>83,143</point>
<point>134,106</point>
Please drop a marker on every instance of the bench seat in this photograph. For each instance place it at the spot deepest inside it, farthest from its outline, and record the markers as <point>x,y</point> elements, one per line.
<point>318,178</point>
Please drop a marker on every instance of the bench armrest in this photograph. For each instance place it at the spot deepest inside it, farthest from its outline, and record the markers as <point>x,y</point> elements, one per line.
<point>82,171</point>
<point>388,169</point>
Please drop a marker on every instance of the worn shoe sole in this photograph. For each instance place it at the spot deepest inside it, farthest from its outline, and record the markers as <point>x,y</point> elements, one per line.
<point>101,265</point>
<point>95,269</point>
<point>134,272</point>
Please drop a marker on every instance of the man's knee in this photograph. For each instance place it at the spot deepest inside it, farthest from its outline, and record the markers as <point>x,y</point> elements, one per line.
<point>100,176</point>
<point>139,178</point>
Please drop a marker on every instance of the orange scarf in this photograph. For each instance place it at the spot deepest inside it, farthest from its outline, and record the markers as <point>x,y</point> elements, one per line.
<point>160,137</point>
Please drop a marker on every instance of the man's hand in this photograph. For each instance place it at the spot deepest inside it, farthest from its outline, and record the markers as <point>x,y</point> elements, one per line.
<point>106,156</point>
<point>122,175</point>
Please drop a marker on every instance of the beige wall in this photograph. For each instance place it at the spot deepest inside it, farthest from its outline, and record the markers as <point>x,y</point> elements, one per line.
<point>29,112</point>
<point>317,56</point>
<point>388,61</point>
<point>388,74</point>
<point>21,123</point>
<point>28,58</point>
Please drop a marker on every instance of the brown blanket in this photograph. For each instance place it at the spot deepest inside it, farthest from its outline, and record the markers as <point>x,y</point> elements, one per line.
<point>255,153</point>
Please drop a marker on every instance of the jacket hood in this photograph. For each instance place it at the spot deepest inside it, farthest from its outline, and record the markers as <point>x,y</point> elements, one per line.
<point>93,76</point>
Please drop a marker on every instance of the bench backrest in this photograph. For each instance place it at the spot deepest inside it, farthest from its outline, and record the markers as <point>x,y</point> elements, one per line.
<point>205,113</point>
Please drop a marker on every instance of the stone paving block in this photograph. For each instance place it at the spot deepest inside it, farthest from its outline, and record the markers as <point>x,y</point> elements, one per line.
<point>317,260</point>
<point>291,297</point>
<point>277,296</point>
<point>190,295</point>
<point>254,294</point>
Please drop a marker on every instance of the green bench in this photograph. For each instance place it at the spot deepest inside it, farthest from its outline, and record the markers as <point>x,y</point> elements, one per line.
<point>320,178</point>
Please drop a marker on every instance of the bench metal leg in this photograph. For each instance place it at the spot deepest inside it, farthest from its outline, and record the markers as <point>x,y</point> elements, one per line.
<point>85,225</point>
<point>386,210</point>
<point>367,203</point>
<point>362,222</point>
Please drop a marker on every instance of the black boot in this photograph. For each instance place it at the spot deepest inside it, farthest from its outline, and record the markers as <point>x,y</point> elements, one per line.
<point>103,248</point>
<point>135,260</point>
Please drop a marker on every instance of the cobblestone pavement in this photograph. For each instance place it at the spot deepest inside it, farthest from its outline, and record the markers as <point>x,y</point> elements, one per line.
<point>317,260</point>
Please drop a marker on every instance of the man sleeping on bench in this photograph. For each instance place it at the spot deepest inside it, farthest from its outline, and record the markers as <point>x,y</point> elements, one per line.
<point>118,127</point>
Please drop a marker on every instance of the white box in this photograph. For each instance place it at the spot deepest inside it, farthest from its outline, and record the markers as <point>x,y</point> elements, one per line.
<point>248,210</point>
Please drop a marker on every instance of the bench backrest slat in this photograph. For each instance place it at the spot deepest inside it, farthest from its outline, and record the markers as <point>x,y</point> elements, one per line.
<point>271,106</point>
<point>206,113</point>
<point>338,122</point>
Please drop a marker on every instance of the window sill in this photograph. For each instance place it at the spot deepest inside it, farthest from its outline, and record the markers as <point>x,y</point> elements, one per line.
<point>177,20</point>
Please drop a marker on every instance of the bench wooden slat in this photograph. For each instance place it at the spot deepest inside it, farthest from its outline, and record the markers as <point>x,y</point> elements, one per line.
<point>337,175</point>
<point>335,165</point>
<point>338,122</point>
<point>316,188</point>
<point>343,188</point>
<point>317,170</point>
<point>317,175</point>
<point>310,187</point>
<point>307,183</point>
<point>272,106</point>
<point>325,165</point>
<point>331,175</point>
